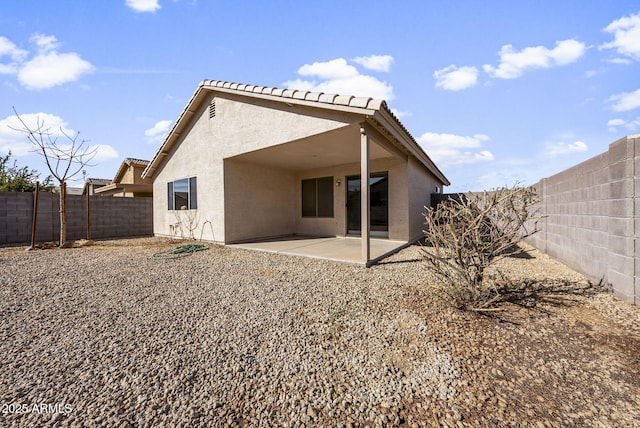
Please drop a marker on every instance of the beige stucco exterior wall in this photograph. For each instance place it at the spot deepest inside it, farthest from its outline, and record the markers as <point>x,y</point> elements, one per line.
<point>338,224</point>
<point>238,127</point>
<point>259,201</point>
<point>266,202</point>
<point>136,176</point>
<point>241,127</point>
<point>421,184</point>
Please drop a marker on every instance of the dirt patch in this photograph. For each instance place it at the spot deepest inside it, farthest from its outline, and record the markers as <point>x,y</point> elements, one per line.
<point>553,358</point>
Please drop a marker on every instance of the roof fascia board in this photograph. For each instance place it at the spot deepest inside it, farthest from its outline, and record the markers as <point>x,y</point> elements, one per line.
<point>164,148</point>
<point>392,125</point>
<point>123,186</point>
<point>384,141</point>
<point>106,188</point>
<point>120,172</point>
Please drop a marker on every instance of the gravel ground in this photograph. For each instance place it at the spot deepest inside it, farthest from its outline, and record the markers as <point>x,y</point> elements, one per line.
<point>110,336</point>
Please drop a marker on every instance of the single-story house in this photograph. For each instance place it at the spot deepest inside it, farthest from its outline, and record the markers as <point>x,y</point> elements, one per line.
<point>93,184</point>
<point>246,162</point>
<point>128,181</point>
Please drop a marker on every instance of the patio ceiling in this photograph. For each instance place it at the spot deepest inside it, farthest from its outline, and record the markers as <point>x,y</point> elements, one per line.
<point>336,147</point>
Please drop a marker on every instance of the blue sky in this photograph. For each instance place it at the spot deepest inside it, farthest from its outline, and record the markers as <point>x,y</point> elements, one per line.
<point>495,91</point>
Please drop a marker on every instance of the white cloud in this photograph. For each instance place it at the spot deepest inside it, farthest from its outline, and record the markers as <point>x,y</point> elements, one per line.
<point>616,122</point>
<point>451,140</point>
<point>619,61</point>
<point>625,101</point>
<point>400,114</point>
<point>334,69</point>
<point>159,128</point>
<point>50,123</point>
<point>632,125</point>
<point>47,68</point>
<point>626,33</point>
<point>16,141</point>
<point>52,69</point>
<point>514,63</point>
<point>103,152</point>
<point>453,78</point>
<point>339,77</point>
<point>158,132</point>
<point>44,42</point>
<point>94,153</point>
<point>561,148</point>
<point>375,62</point>
<point>8,48</point>
<point>451,149</point>
<point>143,5</point>
<point>15,147</point>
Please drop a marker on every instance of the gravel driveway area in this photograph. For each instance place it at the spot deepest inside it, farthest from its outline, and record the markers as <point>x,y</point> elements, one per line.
<point>110,336</point>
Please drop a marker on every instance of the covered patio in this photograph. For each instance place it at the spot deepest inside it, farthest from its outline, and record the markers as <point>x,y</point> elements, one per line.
<point>340,249</point>
<point>272,177</point>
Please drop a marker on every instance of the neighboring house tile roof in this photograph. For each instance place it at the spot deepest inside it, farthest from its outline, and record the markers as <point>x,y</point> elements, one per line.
<point>94,183</point>
<point>127,163</point>
<point>132,161</point>
<point>116,186</point>
<point>366,106</point>
<point>98,181</point>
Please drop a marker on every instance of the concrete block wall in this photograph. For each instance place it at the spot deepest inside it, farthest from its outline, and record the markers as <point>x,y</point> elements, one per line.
<point>15,215</point>
<point>110,217</point>
<point>592,217</point>
<point>126,217</point>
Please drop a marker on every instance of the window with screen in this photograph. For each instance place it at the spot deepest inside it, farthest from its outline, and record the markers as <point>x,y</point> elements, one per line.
<point>182,194</point>
<point>317,197</point>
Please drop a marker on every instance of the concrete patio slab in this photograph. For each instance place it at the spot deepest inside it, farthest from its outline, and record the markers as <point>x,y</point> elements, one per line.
<point>339,249</point>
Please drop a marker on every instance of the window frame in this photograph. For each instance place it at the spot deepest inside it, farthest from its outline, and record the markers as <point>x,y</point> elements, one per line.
<point>191,193</point>
<point>319,204</point>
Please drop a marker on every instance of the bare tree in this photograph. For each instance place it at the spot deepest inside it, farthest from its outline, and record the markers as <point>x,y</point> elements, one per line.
<point>64,160</point>
<point>469,234</point>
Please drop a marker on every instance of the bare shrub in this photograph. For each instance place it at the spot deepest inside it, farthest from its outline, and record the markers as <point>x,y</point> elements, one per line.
<point>467,235</point>
<point>186,220</point>
<point>64,160</point>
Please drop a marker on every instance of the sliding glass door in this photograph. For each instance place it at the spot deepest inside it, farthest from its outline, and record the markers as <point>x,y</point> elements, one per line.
<point>379,202</point>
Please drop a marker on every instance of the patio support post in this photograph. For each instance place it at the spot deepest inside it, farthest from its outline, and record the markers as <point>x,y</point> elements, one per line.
<point>365,205</point>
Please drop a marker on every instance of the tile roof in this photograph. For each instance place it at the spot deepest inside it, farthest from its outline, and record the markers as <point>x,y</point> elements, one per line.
<point>361,105</point>
<point>320,97</point>
<point>126,163</point>
<point>98,181</point>
<point>135,161</point>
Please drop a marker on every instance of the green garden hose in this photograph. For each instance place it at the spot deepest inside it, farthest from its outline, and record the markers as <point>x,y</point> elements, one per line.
<point>183,250</point>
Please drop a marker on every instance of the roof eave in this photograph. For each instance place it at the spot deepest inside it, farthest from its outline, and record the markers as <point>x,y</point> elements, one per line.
<point>390,122</point>
<point>167,144</point>
<point>118,187</point>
